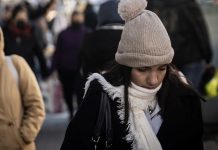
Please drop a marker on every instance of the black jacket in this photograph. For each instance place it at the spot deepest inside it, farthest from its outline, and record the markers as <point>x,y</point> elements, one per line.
<point>180,109</point>
<point>28,46</point>
<point>187,29</point>
<point>99,49</point>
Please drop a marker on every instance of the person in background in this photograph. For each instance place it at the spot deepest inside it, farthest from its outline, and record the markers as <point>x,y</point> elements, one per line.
<point>151,104</point>
<point>35,13</point>
<point>21,38</point>
<point>98,50</point>
<point>187,29</point>
<point>5,15</point>
<point>66,59</point>
<point>22,109</point>
<point>90,17</point>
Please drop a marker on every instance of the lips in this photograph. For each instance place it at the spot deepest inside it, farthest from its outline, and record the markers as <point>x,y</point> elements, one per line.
<point>150,87</point>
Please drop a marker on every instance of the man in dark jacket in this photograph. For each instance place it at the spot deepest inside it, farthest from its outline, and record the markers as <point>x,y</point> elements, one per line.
<point>100,46</point>
<point>66,59</point>
<point>186,26</point>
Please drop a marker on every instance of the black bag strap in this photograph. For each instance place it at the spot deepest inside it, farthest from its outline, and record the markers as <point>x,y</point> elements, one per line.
<point>104,114</point>
<point>109,131</point>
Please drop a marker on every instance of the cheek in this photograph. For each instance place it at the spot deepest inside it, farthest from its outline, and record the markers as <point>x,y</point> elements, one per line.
<point>162,75</point>
<point>137,78</point>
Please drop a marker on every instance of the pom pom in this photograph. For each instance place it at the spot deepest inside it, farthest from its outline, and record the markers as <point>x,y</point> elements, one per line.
<point>129,9</point>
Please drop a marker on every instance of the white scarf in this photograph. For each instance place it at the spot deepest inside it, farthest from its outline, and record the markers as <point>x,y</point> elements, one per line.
<point>140,128</point>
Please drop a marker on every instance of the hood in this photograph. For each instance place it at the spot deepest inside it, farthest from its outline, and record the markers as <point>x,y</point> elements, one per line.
<point>1,46</point>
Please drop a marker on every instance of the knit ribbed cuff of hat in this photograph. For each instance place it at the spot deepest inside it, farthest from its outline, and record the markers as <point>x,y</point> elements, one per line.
<point>133,59</point>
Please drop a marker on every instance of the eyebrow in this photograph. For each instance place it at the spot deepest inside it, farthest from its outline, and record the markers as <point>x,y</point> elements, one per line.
<point>158,67</point>
<point>163,65</point>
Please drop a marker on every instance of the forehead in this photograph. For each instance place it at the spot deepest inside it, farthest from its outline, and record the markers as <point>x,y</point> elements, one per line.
<point>154,66</point>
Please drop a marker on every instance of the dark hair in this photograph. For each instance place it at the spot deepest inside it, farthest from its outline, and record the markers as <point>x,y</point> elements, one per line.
<point>121,75</point>
<point>172,76</point>
<point>18,8</point>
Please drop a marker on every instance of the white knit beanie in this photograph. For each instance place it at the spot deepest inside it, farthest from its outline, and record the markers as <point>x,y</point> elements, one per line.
<point>144,41</point>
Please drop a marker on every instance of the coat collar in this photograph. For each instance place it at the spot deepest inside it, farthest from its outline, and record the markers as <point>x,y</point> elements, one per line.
<point>112,91</point>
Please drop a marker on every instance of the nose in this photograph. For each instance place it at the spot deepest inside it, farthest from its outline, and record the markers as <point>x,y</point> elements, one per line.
<point>152,79</point>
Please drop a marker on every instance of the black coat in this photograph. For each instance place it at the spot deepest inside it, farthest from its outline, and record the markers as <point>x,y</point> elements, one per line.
<point>187,29</point>
<point>27,46</point>
<point>180,109</point>
<point>99,49</point>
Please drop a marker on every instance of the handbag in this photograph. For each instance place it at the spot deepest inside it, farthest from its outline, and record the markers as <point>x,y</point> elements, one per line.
<point>103,115</point>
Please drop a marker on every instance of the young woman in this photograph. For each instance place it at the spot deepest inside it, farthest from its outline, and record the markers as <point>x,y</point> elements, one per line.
<point>152,105</point>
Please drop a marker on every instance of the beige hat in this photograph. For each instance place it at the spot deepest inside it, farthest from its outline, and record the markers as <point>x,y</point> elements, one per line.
<point>144,41</point>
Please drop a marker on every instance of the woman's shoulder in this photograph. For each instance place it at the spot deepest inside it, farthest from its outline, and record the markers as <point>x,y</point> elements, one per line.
<point>180,86</point>
<point>99,83</point>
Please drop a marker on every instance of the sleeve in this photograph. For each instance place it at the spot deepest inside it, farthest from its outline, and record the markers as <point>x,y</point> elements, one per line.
<point>57,53</point>
<point>33,106</point>
<point>38,49</point>
<point>196,18</point>
<point>79,131</point>
<point>196,112</point>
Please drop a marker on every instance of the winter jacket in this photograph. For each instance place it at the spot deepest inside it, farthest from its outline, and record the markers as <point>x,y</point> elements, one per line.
<point>21,105</point>
<point>28,45</point>
<point>187,29</point>
<point>99,48</point>
<point>66,55</point>
<point>180,110</point>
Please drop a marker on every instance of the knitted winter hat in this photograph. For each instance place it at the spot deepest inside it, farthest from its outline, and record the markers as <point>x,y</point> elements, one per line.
<point>108,13</point>
<point>144,41</point>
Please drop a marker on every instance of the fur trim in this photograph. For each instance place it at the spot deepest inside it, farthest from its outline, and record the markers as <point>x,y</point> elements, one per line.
<point>110,89</point>
<point>129,9</point>
<point>113,92</point>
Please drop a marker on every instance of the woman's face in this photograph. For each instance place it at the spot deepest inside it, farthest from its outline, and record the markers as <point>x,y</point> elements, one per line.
<point>148,77</point>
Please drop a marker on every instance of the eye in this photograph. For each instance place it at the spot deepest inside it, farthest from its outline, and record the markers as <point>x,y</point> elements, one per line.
<point>142,69</point>
<point>163,68</point>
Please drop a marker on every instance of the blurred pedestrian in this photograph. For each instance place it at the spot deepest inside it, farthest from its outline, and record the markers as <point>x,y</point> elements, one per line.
<point>36,13</point>
<point>152,107</point>
<point>66,59</point>
<point>186,26</point>
<point>5,15</point>
<point>21,105</point>
<point>21,38</point>
<point>98,50</point>
<point>90,17</point>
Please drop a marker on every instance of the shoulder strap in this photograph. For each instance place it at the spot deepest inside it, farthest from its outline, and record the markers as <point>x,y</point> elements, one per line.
<point>11,67</point>
<point>104,114</point>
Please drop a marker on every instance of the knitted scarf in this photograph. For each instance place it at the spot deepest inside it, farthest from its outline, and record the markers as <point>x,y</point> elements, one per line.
<point>140,130</point>
<point>140,99</point>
